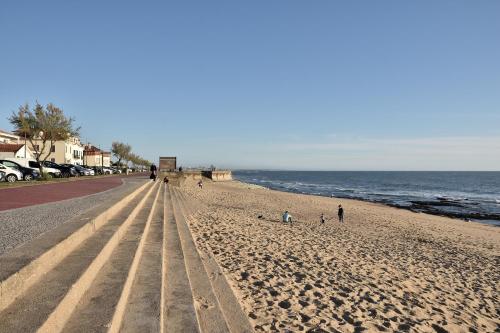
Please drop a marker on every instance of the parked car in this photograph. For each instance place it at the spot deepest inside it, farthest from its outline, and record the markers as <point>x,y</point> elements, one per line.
<point>97,170</point>
<point>11,174</point>
<point>79,169</point>
<point>51,171</point>
<point>107,171</point>
<point>115,170</point>
<point>65,171</point>
<point>28,173</point>
<point>91,169</point>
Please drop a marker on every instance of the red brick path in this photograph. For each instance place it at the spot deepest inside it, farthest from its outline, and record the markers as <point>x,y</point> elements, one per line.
<point>38,194</point>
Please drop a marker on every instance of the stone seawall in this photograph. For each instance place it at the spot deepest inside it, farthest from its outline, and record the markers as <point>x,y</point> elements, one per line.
<point>218,176</point>
<point>196,175</point>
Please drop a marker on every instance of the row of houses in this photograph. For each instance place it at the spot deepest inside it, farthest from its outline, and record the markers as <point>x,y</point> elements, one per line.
<point>71,151</point>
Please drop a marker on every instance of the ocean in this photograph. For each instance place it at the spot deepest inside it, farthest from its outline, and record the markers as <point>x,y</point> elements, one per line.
<point>465,195</point>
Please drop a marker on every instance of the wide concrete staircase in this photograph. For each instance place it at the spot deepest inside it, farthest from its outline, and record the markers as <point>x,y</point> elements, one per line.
<point>134,267</point>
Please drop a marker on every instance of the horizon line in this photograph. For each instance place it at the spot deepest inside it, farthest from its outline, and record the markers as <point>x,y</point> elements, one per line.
<point>304,170</point>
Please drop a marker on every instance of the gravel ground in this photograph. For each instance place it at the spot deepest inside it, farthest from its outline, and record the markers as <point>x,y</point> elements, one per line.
<point>23,224</point>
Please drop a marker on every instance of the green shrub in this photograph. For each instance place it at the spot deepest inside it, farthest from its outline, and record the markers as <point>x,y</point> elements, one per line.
<point>46,176</point>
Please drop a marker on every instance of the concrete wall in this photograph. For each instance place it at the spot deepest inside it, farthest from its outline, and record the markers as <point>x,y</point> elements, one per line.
<point>196,175</point>
<point>219,175</point>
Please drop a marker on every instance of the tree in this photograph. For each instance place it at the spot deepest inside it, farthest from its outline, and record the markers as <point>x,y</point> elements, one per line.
<point>42,127</point>
<point>121,151</point>
<point>134,159</point>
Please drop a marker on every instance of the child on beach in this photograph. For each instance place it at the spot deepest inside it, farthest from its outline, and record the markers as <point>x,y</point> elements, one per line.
<point>200,184</point>
<point>165,180</point>
<point>322,218</point>
<point>287,217</point>
<point>341,214</point>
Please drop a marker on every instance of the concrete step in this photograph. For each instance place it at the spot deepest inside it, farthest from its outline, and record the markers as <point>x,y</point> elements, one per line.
<point>139,308</point>
<point>22,267</point>
<point>31,309</point>
<point>97,307</point>
<point>210,317</point>
<point>235,318</point>
<point>46,304</point>
<point>178,313</point>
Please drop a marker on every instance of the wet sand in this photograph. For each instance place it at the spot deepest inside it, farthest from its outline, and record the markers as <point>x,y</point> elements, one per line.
<point>384,269</point>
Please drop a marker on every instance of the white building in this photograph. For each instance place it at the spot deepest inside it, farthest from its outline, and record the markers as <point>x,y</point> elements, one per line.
<point>6,137</point>
<point>93,156</point>
<point>14,150</point>
<point>69,151</point>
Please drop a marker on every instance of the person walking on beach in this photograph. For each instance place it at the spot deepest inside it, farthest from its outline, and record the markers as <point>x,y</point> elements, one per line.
<point>322,218</point>
<point>341,214</point>
<point>200,184</point>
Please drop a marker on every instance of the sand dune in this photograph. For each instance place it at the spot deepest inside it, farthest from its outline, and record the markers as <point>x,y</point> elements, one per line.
<point>385,269</point>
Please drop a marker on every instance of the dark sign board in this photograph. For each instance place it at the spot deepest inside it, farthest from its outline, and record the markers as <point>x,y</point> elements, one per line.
<point>168,163</point>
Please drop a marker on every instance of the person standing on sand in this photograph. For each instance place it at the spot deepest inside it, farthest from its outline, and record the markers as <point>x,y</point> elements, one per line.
<point>322,218</point>
<point>200,184</point>
<point>341,214</point>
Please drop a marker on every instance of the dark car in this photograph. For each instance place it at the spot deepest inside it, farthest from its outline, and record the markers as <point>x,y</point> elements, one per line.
<point>65,171</point>
<point>81,170</point>
<point>28,173</point>
<point>97,170</point>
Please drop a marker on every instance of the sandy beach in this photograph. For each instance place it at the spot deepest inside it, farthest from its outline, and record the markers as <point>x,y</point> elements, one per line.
<point>384,269</point>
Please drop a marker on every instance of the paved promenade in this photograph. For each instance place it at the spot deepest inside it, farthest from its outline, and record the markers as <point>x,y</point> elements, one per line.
<point>18,197</point>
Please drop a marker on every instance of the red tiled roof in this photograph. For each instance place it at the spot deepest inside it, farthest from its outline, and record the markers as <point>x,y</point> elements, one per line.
<point>91,148</point>
<point>10,148</point>
<point>90,152</point>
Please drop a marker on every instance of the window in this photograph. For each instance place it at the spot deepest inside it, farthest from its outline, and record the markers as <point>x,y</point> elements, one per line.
<point>53,149</point>
<point>10,164</point>
<point>37,147</point>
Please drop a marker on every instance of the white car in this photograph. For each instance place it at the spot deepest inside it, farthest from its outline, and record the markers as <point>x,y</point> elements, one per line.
<point>51,171</point>
<point>107,171</point>
<point>11,174</point>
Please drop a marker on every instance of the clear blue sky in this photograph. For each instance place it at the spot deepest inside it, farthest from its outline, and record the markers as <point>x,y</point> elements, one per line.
<point>330,85</point>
